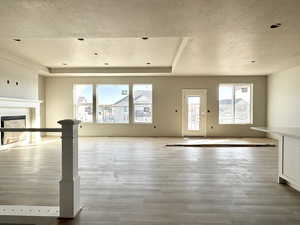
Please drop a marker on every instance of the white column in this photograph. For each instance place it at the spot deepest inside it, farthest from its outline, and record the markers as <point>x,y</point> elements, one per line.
<point>281,180</point>
<point>69,193</point>
<point>36,123</point>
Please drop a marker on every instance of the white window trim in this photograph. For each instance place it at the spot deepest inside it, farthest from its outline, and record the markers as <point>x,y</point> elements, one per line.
<point>95,114</point>
<point>251,102</point>
<point>133,105</point>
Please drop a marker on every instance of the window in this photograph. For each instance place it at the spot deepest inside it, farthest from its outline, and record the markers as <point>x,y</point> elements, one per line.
<point>142,103</point>
<point>112,103</point>
<point>235,103</point>
<point>83,102</point>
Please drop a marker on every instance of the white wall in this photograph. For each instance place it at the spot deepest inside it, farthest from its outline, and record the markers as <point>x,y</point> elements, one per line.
<point>167,99</point>
<point>19,79</point>
<point>26,77</point>
<point>284,98</point>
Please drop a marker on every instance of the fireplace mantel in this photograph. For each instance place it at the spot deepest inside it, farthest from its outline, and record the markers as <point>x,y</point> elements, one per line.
<point>15,105</point>
<point>19,102</point>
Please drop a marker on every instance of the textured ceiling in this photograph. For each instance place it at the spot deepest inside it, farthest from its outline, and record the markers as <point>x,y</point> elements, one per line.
<point>194,37</point>
<point>120,52</point>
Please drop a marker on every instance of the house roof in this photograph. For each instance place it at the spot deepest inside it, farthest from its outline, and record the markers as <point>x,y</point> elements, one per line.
<point>140,97</point>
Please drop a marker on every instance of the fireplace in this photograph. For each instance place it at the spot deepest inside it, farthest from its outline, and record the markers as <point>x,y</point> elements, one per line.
<point>12,122</point>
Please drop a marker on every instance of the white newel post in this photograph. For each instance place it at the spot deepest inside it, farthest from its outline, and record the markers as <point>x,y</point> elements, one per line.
<point>69,186</point>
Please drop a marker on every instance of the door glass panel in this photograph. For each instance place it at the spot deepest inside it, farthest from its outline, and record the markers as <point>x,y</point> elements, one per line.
<point>193,103</point>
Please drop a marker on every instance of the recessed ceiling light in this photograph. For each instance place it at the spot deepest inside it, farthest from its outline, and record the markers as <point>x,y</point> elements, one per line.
<point>145,38</point>
<point>17,39</point>
<point>80,39</point>
<point>276,25</point>
<point>148,63</point>
<point>106,64</point>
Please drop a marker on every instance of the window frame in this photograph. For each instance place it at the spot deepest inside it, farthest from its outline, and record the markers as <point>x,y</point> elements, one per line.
<point>133,105</point>
<point>233,94</point>
<point>96,101</point>
<point>93,100</point>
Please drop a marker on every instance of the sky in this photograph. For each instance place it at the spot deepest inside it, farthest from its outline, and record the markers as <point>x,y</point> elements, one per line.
<point>193,100</point>
<point>225,92</point>
<point>109,94</point>
<point>84,90</point>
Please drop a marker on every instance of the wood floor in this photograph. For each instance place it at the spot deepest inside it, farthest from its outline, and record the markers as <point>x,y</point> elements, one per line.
<point>139,181</point>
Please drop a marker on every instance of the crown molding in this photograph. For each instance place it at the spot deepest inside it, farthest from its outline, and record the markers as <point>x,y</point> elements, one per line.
<point>109,70</point>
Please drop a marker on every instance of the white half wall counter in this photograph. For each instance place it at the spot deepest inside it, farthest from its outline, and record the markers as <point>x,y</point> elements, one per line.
<point>288,154</point>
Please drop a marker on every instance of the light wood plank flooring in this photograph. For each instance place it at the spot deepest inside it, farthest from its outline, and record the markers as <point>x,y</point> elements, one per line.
<point>139,181</point>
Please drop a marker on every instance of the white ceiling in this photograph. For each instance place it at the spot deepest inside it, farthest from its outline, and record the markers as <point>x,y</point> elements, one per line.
<point>117,52</point>
<point>194,37</point>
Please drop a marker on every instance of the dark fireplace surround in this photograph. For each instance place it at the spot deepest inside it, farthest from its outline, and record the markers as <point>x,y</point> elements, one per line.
<point>12,122</point>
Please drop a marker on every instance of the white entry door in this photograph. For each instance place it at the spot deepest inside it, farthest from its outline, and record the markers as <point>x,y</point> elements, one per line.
<point>194,110</point>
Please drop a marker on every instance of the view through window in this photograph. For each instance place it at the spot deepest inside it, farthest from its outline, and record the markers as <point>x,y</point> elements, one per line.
<point>235,103</point>
<point>142,100</point>
<point>193,112</point>
<point>83,102</point>
<point>112,103</point>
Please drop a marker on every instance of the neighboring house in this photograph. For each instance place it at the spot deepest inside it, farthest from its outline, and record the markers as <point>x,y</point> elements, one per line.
<point>118,112</point>
<point>241,108</point>
<point>143,106</point>
<point>84,109</point>
<point>114,113</point>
